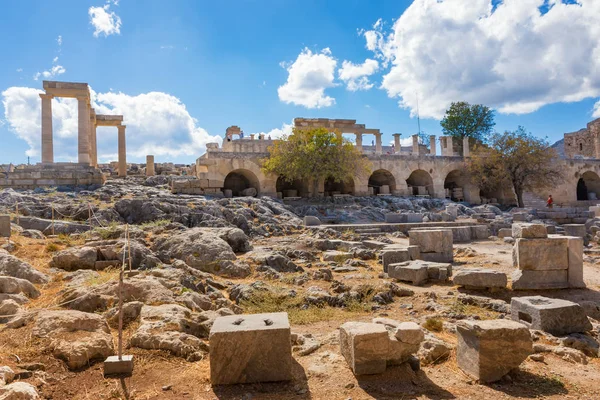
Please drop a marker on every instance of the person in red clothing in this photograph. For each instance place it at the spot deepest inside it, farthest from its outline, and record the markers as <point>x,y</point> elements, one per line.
<point>549,202</point>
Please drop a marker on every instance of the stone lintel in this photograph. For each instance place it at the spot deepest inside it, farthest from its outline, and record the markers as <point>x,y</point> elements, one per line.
<point>109,120</point>
<point>66,89</point>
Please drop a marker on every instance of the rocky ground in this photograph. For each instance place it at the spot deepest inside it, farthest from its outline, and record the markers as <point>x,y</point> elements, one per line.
<point>194,259</point>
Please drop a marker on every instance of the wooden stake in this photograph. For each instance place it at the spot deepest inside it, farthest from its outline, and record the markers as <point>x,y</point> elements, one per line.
<point>17,213</point>
<point>120,354</point>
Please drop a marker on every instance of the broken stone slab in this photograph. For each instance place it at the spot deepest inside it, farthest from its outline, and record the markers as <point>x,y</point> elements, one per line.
<point>488,350</point>
<point>310,220</point>
<point>365,347</point>
<point>374,244</point>
<point>409,271</point>
<point>556,316</point>
<point>419,271</point>
<point>414,218</point>
<point>479,232</point>
<point>540,280</point>
<point>395,255</point>
<point>250,348</point>
<point>541,254</point>
<point>480,278</point>
<point>336,256</point>
<point>115,366</point>
<point>529,231</point>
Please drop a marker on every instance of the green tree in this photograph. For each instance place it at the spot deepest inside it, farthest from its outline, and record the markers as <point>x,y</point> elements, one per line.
<point>516,160</point>
<point>465,120</point>
<point>315,155</point>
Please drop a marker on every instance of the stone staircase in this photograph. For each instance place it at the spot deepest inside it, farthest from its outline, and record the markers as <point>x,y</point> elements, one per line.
<point>368,233</point>
<point>531,200</point>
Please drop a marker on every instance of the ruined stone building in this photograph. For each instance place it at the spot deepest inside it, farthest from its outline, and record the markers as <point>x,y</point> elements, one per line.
<point>584,143</point>
<point>236,166</point>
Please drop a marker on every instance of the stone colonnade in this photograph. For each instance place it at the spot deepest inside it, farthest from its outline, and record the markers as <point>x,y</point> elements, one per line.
<point>87,122</point>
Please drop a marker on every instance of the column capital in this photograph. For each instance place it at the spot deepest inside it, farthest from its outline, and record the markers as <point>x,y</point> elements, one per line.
<point>46,96</point>
<point>121,127</point>
<point>397,135</point>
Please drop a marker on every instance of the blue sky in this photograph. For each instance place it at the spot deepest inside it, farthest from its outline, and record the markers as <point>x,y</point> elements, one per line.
<point>182,71</point>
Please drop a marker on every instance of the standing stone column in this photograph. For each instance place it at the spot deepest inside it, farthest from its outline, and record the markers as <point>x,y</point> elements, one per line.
<point>122,151</point>
<point>597,145</point>
<point>432,147</point>
<point>397,145</point>
<point>359,142</point>
<point>378,148</point>
<point>47,142</point>
<point>93,141</point>
<point>149,165</point>
<point>466,149</point>
<point>415,144</point>
<point>83,124</point>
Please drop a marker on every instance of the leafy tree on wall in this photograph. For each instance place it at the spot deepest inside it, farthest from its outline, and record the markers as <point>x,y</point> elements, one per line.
<point>516,160</point>
<point>465,120</point>
<point>315,155</point>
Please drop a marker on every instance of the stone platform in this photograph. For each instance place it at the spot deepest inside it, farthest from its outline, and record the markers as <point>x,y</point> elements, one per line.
<point>56,174</point>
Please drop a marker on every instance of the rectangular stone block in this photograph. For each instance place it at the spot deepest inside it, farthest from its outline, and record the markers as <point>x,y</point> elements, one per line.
<point>529,231</point>
<point>5,226</point>
<point>250,348</point>
<point>414,218</point>
<point>482,347</point>
<point>114,366</point>
<point>504,232</point>
<point>395,218</point>
<point>336,256</point>
<point>575,257</point>
<point>538,280</point>
<point>556,316</point>
<point>431,241</point>
<point>479,232</point>
<point>365,347</point>
<point>541,254</point>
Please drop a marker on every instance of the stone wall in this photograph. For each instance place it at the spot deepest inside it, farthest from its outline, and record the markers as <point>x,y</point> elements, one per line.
<point>57,174</point>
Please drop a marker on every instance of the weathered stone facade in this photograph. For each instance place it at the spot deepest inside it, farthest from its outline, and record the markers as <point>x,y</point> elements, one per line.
<point>584,143</point>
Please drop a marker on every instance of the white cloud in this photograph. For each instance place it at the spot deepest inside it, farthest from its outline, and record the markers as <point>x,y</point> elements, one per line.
<point>308,77</point>
<point>355,76</point>
<point>59,40</point>
<point>105,22</point>
<point>157,123</point>
<point>596,111</point>
<point>277,133</point>
<point>510,56</point>
<point>52,72</point>
<point>19,69</point>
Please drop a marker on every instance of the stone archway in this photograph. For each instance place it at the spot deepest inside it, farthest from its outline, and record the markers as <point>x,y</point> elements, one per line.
<point>455,185</point>
<point>420,182</point>
<point>239,180</point>
<point>295,188</point>
<point>588,186</point>
<point>332,187</point>
<point>381,182</point>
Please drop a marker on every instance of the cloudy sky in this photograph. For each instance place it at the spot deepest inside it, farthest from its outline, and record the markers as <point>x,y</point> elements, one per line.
<point>182,71</point>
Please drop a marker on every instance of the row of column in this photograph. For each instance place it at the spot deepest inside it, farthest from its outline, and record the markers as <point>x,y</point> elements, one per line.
<point>87,146</point>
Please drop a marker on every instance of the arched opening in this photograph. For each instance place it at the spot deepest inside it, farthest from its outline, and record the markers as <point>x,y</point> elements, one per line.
<point>240,182</point>
<point>295,188</point>
<point>454,185</point>
<point>421,183</point>
<point>381,182</point>
<point>588,186</point>
<point>332,187</point>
